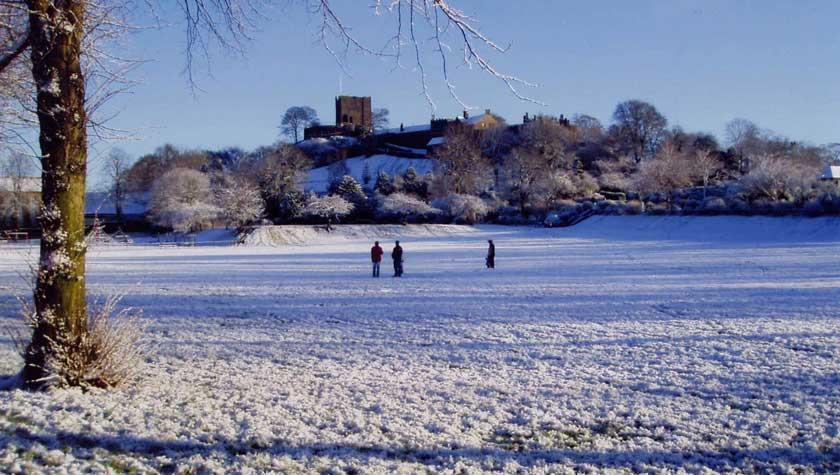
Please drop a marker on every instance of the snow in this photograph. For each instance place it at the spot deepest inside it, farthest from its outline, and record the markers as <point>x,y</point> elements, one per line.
<point>624,344</point>
<point>318,179</point>
<point>299,234</point>
<point>321,144</point>
<point>831,172</point>
<point>415,151</point>
<point>436,141</point>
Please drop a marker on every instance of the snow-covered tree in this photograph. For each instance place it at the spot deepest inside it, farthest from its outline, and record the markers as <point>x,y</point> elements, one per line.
<point>402,206</point>
<point>239,201</point>
<point>182,200</point>
<point>384,184</point>
<point>349,189</point>
<point>330,207</point>
<point>412,184</point>
<point>463,208</point>
<point>117,164</point>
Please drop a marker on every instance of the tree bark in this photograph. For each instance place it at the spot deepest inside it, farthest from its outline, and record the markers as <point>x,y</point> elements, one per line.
<point>56,31</point>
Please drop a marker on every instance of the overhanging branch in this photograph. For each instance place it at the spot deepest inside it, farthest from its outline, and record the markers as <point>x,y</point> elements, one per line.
<point>5,61</point>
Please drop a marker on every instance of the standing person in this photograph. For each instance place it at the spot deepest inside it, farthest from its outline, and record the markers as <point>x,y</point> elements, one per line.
<point>397,256</point>
<point>491,255</point>
<point>376,257</point>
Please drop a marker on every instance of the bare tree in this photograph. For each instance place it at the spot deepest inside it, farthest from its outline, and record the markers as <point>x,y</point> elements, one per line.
<point>525,173</point>
<point>381,119</point>
<point>640,127</point>
<point>777,178</point>
<point>71,80</point>
<point>16,173</point>
<point>296,119</point>
<point>669,170</point>
<point>744,138</point>
<point>589,129</point>
<point>117,164</point>
<point>461,165</point>
<point>704,166</point>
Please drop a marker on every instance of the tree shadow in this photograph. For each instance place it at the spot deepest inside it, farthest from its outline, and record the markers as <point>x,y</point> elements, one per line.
<point>821,459</point>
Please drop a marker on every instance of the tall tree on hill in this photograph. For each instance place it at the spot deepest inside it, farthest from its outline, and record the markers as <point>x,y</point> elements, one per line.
<point>640,128</point>
<point>62,38</point>
<point>744,137</point>
<point>296,119</point>
<point>381,119</point>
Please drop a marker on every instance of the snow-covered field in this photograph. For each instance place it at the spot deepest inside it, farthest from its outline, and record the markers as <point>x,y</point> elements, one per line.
<point>622,344</point>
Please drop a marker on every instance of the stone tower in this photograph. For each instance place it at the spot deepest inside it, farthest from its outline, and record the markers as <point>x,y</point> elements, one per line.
<point>353,112</point>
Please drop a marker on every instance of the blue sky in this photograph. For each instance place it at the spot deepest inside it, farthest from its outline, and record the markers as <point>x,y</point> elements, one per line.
<point>701,63</point>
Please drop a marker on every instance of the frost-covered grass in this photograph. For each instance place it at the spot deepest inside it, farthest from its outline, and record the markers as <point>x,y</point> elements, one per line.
<point>623,344</point>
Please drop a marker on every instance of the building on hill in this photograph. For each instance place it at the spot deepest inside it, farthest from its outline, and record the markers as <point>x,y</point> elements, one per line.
<point>430,136</point>
<point>353,118</point>
<point>354,111</point>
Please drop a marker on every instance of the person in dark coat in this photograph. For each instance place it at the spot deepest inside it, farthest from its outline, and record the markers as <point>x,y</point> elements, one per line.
<point>491,255</point>
<point>376,257</point>
<point>397,256</point>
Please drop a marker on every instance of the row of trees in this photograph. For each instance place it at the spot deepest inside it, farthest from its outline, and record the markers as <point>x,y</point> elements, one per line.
<point>527,169</point>
<point>546,161</point>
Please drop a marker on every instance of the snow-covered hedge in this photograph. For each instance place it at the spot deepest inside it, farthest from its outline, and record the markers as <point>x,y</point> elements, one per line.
<point>463,208</point>
<point>405,207</point>
<point>329,207</point>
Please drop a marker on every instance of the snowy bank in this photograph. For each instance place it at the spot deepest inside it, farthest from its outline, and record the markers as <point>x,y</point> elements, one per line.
<point>299,234</point>
<point>319,178</point>
<point>738,229</point>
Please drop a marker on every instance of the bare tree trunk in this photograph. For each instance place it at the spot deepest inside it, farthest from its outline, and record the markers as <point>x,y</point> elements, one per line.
<point>56,31</point>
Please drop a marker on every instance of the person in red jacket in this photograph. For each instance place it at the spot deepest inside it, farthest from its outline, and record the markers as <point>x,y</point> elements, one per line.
<point>376,257</point>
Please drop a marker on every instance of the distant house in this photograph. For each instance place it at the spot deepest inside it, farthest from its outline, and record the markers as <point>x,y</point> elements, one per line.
<point>430,136</point>
<point>20,198</point>
<point>101,206</point>
<point>831,173</point>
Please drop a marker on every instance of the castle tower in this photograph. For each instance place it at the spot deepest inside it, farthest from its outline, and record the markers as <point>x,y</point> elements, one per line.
<point>353,111</point>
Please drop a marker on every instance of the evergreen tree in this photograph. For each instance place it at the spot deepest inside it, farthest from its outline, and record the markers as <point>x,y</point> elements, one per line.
<point>414,185</point>
<point>384,184</point>
<point>349,189</point>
